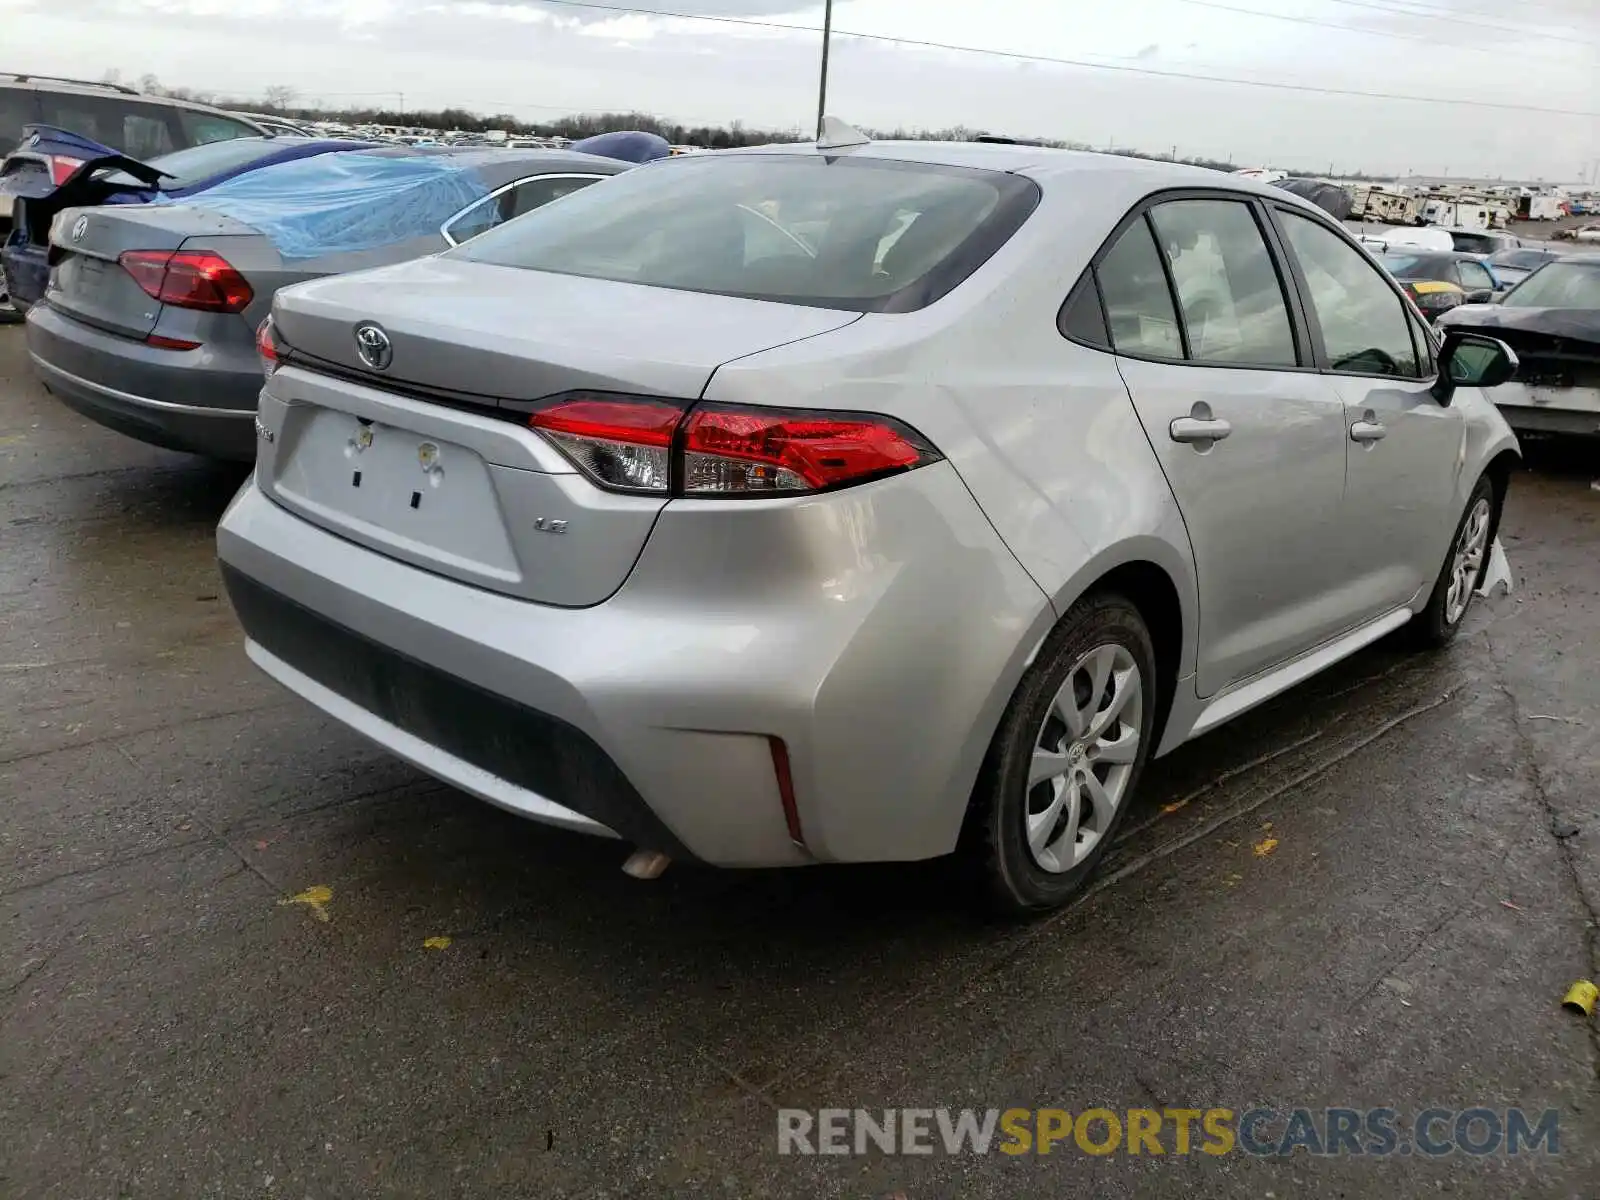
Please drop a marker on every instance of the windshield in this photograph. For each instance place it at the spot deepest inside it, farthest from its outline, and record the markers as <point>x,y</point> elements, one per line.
<point>865,234</point>
<point>191,166</point>
<point>1558,285</point>
<point>1474,243</point>
<point>1522,260</point>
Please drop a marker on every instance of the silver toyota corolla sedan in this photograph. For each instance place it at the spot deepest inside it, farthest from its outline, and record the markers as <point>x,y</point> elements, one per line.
<point>857,502</point>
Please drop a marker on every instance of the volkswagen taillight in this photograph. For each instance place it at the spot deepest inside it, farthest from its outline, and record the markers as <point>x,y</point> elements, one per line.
<point>62,166</point>
<point>197,279</point>
<point>711,451</point>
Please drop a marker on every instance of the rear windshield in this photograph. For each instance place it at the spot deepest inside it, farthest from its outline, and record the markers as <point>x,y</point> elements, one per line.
<point>1558,285</point>
<point>213,158</point>
<point>1522,260</point>
<point>868,235</point>
<point>1474,243</point>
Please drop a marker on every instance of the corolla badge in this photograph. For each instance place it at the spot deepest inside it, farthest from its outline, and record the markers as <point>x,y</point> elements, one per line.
<point>373,345</point>
<point>79,228</point>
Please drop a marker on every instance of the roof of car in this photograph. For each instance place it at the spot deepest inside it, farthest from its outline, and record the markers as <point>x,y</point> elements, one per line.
<point>1040,162</point>
<point>45,83</point>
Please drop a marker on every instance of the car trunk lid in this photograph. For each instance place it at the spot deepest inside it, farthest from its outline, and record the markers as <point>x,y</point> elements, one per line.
<point>88,283</point>
<point>431,460</point>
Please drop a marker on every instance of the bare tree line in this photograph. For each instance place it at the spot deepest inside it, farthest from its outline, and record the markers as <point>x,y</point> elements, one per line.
<point>286,101</point>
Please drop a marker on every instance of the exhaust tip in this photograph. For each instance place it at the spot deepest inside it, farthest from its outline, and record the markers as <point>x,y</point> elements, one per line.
<point>646,864</point>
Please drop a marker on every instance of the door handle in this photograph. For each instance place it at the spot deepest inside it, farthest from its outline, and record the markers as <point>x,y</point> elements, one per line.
<point>1199,429</point>
<point>1367,430</point>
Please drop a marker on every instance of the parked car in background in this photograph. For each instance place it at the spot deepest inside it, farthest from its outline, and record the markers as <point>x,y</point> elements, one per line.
<point>1511,267</point>
<point>150,315</point>
<point>116,179</point>
<point>1482,241</point>
<point>1438,281</point>
<point>1552,320</point>
<point>279,126</point>
<point>641,517</point>
<point>95,114</point>
<point>1419,237</point>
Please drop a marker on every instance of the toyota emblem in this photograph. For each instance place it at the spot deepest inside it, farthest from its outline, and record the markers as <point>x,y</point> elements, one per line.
<point>79,228</point>
<point>373,345</point>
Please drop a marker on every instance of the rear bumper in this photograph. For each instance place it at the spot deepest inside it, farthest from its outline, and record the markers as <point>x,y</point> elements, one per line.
<point>179,399</point>
<point>652,715</point>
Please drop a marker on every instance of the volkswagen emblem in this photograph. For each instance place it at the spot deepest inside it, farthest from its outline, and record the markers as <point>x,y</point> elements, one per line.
<point>79,228</point>
<point>373,345</point>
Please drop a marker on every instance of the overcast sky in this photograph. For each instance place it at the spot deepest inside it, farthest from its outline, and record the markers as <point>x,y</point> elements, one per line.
<point>537,59</point>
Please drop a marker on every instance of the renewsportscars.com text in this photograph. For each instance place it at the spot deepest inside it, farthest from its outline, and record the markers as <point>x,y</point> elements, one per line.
<point>1378,1132</point>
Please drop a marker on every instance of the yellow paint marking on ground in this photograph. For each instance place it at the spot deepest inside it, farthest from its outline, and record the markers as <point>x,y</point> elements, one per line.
<point>316,898</point>
<point>436,943</point>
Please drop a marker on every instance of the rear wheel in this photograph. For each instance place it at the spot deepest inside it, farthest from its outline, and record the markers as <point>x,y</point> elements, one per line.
<point>1462,572</point>
<point>1066,759</point>
<point>8,314</point>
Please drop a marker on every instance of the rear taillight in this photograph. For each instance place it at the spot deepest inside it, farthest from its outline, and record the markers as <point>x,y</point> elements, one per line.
<point>624,444</point>
<point>61,168</point>
<point>634,444</point>
<point>267,347</point>
<point>741,451</point>
<point>195,279</point>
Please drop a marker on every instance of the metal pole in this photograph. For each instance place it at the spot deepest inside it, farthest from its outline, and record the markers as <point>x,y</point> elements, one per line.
<point>822,84</point>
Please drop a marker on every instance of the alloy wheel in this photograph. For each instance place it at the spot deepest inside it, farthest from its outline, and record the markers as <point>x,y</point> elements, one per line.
<point>1467,561</point>
<point>1083,758</point>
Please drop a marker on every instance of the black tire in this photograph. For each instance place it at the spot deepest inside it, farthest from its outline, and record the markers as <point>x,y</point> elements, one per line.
<point>1431,628</point>
<point>8,314</point>
<point>994,841</point>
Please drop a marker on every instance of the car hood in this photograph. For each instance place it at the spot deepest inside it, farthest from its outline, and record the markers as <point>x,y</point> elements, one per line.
<point>1582,324</point>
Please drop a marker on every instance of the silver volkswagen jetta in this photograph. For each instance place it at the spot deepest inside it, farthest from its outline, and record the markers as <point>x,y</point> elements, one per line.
<point>860,502</point>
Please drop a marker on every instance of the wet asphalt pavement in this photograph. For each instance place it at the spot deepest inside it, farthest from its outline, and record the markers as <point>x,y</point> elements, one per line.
<point>1354,896</point>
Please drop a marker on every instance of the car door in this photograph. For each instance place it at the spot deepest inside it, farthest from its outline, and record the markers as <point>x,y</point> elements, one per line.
<point>1250,436</point>
<point>1404,447</point>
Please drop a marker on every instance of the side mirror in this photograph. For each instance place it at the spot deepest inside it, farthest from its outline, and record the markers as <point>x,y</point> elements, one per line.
<point>1472,360</point>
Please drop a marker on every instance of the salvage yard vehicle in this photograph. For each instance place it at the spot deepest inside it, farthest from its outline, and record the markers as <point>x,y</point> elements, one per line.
<point>1552,321</point>
<point>1439,281</point>
<point>152,309</point>
<point>1511,267</point>
<point>107,177</point>
<point>101,114</point>
<point>635,519</point>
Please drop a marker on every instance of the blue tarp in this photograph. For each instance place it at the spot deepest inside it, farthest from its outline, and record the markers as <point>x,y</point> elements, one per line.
<point>627,145</point>
<point>341,203</point>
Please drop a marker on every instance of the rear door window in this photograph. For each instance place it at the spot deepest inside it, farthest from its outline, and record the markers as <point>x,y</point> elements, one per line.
<point>18,107</point>
<point>198,128</point>
<point>131,127</point>
<point>1138,302</point>
<point>1234,310</point>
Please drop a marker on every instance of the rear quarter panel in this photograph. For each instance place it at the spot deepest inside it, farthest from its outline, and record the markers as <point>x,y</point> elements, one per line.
<point>1041,431</point>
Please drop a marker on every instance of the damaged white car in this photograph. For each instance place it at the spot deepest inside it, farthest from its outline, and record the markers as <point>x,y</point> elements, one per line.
<point>1552,320</point>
